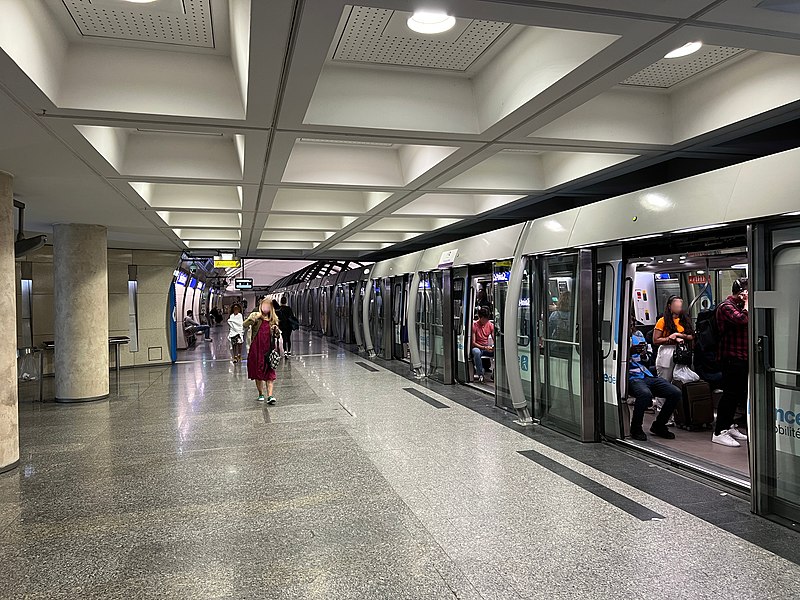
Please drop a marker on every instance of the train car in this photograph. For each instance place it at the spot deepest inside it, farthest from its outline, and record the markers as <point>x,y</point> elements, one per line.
<point>562,291</point>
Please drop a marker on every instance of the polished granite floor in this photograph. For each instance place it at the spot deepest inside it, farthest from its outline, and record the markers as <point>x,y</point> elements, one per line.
<point>358,484</point>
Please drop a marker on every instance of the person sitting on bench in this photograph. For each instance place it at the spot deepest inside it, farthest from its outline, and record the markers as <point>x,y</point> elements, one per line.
<point>189,324</point>
<point>643,386</point>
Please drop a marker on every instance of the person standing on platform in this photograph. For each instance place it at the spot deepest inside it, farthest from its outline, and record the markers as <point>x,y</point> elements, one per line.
<point>263,324</point>
<point>732,323</point>
<point>286,319</point>
<point>236,332</point>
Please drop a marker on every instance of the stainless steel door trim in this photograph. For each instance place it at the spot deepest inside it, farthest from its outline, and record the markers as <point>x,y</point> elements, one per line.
<point>511,321</point>
<point>587,291</point>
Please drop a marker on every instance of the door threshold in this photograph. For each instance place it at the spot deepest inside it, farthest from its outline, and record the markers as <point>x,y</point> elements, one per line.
<point>738,482</point>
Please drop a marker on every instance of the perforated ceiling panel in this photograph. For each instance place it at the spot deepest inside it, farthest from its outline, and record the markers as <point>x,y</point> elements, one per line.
<point>365,39</point>
<point>190,25</point>
<point>671,71</point>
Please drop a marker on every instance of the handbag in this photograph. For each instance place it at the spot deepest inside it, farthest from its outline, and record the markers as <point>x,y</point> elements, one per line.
<point>294,323</point>
<point>682,355</point>
<point>274,357</point>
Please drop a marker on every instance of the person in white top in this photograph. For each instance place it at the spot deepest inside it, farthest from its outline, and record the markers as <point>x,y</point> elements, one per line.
<point>236,332</point>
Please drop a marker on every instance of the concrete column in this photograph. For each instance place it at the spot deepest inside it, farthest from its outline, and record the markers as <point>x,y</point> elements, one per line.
<point>9,414</point>
<point>80,279</point>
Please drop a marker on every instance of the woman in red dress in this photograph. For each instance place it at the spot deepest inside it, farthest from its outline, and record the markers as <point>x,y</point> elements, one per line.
<point>264,325</point>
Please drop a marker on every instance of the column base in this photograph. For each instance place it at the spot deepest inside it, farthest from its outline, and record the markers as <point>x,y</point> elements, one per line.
<point>77,400</point>
<point>10,467</point>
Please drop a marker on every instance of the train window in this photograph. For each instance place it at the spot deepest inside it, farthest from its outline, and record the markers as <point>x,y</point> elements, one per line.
<point>605,306</point>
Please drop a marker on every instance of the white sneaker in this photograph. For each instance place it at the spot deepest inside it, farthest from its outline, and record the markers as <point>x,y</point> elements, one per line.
<point>725,439</point>
<point>736,434</point>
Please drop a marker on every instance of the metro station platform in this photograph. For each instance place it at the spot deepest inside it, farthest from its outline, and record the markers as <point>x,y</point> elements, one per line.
<point>358,483</point>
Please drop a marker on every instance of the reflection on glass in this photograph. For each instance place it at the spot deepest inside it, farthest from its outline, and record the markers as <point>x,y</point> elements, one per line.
<point>560,351</point>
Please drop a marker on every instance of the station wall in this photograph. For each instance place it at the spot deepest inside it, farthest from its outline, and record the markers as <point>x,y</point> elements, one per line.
<point>154,276</point>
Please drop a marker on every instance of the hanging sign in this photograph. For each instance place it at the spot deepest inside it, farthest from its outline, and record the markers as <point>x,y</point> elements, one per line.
<point>448,258</point>
<point>220,263</point>
<point>243,284</point>
<point>698,279</point>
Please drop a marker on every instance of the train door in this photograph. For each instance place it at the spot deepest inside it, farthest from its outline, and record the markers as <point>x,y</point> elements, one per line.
<point>480,297</point>
<point>700,278</point>
<point>398,313</point>
<point>357,305</point>
<point>460,302</point>
<point>501,272</point>
<point>774,410</point>
<point>376,319</point>
<point>421,320</point>
<point>564,390</point>
<point>609,283</point>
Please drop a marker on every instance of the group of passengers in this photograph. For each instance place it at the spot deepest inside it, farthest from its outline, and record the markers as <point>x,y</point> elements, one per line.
<point>270,327</point>
<point>674,332</point>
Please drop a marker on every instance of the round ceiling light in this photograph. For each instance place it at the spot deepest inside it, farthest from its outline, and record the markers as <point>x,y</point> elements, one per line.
<point>685,50</point>
<point>428,22</point>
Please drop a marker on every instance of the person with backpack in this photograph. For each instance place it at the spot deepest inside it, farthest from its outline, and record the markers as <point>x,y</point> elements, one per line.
<point>643,386</point>
<point>732,323</point>
<point>287,323</point>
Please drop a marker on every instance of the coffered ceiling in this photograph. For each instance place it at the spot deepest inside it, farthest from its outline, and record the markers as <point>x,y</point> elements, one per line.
<point>312,129</point>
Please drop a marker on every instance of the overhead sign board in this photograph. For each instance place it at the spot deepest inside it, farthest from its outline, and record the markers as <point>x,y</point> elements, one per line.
<point>448,258</point>
<point>220,263</point>
<point>698,279</point>
<point>243,284</point>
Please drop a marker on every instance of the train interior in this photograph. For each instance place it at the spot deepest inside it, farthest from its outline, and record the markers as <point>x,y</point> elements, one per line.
<point>481,296</point>
<point>702,279</point>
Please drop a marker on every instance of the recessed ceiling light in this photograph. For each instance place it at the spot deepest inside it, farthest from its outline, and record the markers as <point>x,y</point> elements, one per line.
<point>669,260</point>
<point>684,50</point>
<point>430,22</point>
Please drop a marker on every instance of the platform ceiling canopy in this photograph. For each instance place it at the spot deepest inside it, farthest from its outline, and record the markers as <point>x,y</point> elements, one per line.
<point>318,129</point>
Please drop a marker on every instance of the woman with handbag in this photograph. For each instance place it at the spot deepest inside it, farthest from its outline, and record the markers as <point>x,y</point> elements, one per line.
<point>236,332</point>
<point>263,355</point>
<point>673,333</point>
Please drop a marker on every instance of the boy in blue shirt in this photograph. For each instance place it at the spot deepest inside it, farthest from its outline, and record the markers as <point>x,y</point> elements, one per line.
<point>643,386</point>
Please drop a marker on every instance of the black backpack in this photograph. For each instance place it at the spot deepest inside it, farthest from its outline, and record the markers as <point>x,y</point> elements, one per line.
<point>706,343</point>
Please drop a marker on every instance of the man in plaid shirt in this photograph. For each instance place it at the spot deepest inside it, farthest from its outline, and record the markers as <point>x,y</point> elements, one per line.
<point>732,319</point>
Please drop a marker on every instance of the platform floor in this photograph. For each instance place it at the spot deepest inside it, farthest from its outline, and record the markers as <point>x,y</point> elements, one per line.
<point>358,483</point>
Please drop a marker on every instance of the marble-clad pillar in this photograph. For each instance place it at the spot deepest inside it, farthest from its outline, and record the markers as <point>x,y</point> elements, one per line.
<point>80,279</point>
<point>9,413</point>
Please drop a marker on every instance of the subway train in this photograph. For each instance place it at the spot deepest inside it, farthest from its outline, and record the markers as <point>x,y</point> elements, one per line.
<point>561,291</point>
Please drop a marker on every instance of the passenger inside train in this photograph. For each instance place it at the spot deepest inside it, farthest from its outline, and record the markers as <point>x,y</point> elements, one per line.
<point>699,351</point>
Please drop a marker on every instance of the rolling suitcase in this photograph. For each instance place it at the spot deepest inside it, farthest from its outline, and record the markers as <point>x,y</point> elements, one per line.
<point>696,408</point>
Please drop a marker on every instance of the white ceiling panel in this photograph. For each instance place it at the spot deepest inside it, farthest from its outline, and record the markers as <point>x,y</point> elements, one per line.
<point>179,22</point>
<point>201,219</point>
<point>672,71</point>
<point>380,36</point>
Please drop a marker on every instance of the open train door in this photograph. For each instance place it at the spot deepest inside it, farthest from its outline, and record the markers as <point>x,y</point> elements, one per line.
<point>774,405</point>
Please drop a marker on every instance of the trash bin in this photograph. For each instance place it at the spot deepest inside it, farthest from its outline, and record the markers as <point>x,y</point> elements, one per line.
<point>28,364</point>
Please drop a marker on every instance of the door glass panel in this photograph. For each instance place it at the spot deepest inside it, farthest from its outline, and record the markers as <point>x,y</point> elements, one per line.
<point>524,334</point>
<point>561,405</point>
<point>436,327</point>
<point>501,272</point>
<point>377,317</point>
<point>786,363</point>
<point>423,339</point>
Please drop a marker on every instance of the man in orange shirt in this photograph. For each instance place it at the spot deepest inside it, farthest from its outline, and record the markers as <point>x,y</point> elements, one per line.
<point>482,330</point>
